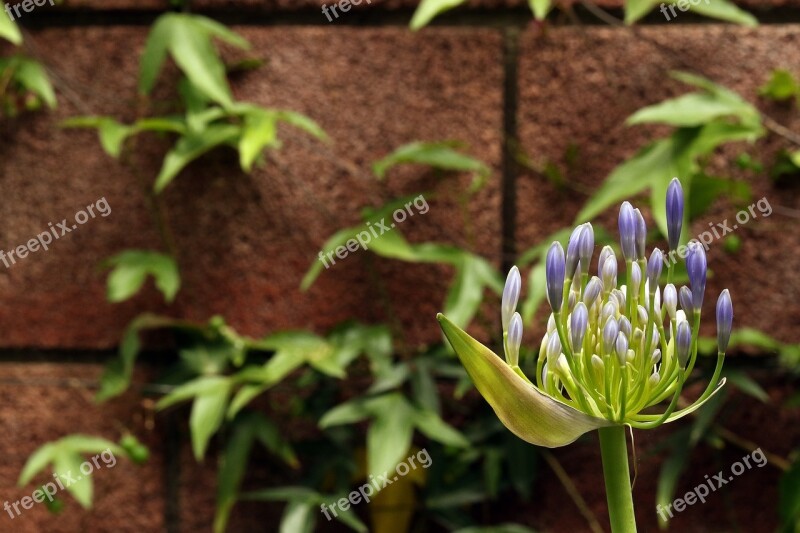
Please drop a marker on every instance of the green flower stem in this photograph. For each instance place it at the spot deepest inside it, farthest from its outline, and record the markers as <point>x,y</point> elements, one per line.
<point>614,450</point>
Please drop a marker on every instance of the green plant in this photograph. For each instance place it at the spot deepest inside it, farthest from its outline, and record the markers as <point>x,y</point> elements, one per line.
<point>211,118</point>
<point>606,357</point>
<point>23,81</point>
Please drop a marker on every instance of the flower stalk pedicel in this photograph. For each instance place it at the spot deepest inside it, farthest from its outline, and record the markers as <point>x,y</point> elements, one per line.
<point>610,355</point>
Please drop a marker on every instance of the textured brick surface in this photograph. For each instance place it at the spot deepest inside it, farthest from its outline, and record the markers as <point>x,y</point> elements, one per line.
<point>577,86</point>
<point>43,402</point>
<point>245,241</point>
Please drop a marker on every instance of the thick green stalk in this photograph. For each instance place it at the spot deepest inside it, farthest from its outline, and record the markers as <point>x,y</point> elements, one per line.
<point>614,450</point>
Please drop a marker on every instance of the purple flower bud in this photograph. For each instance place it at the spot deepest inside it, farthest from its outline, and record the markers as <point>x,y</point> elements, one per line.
<point>605,253</point>
<point>621,346</point>
<point>627,231</point>
<point>592,291</point>
<point>670,300</point>
<point>683,342</point>
<point>609,273</point>
<point>685,296</point>
<point>609,311</point>
<point>641,234</point>
<point>555,271</point>
<point>697,268</point>
<point>510,296</point>
<point>674,213</point>
<point>654,266</point>
<point>579,319</point>
<point>656,357</point>
<point>636,278</point>
<point>610,332</point>
<point>586,246</point>
<point>641,312</point>
<point>724,320</point>
<point>572,299</point>
<point>619,297</point>
<point>573,251</point>
<point>553,347</point>
<point>637,340</point>
<point>514,340</point>
<point>625,325</point>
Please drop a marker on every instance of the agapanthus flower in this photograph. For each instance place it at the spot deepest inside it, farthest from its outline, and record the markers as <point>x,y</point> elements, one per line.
<point>610,355</point>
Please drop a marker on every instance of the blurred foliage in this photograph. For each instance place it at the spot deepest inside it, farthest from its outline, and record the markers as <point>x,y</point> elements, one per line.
<point>24,84</point>
<point>396,396</point>
<point>634,10</point>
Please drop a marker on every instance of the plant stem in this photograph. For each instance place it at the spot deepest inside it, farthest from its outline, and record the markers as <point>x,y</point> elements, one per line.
<point>614,450</point>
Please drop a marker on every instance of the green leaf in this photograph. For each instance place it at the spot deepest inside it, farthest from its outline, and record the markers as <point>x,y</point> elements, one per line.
<point>222,32</point>
<point>155,52</point>
<point>65,462</point>
<point>334,241</point>
<point>693,109</point>
<point>190,389</point>
<point>473,275</point>
<point>523,409</point>
<point>210,395</point>
<point>9,30</point>
<point>231,472</point>
<point>781,86</point>
<point>187,38</point>
<point>259,132</point>
<point>112,133</point>
<point>671,470</point>
<point>432,426</point>
<point>32,75</point>
<point>636,9</point>
<point>724,10</point>
<point>269,435</point>
<point>192,146</point>
<point>540,8</point>
<point>234,460</point>
<point>117,375</point>
<point>389,435</point>
<point>747,385</point>
<point>430,9</point>
<point>346,413</point>
<point>298,517</point>
<point>131,268</point>
<point>659,161</point>
<point>302,122</point>
<point>38,460</point>
<point>439,155</point>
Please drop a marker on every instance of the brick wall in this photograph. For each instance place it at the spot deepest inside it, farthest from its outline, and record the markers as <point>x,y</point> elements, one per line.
<point>484,75</point>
